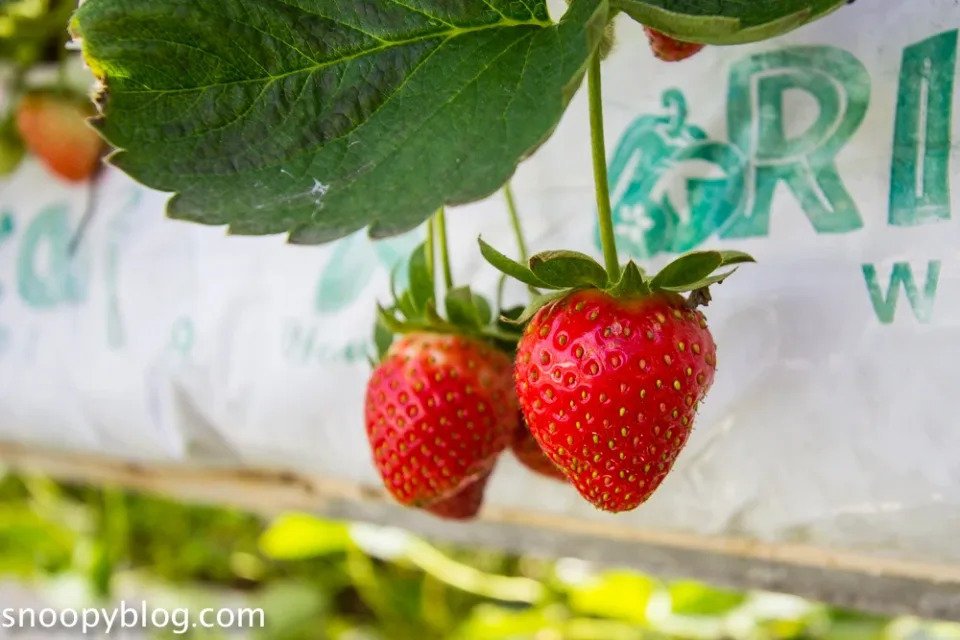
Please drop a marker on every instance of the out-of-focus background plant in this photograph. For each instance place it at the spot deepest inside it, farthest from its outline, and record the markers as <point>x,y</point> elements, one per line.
<point>45,92</point>
<point>70,546</point>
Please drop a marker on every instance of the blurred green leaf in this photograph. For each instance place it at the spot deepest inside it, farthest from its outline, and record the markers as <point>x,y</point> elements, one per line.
<point>29,543</point>
<point>594,629</point>
<point>691,598</point>
<point>620,595</point>
<point>297,536</point>
<point>419,592</point>
<point>456,574</point>
<point>786,629</point>
<point>295,608</point>
<point>421,278</point>
<point>461,308</point>
<point>490,622</point>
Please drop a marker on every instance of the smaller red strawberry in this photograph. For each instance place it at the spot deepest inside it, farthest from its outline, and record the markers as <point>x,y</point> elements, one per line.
<point>529,453</point>
<point>441,405</point>
<point>670,49</point>
<point>464,505</point>
<point>54,128</point>
<point>440,408</point>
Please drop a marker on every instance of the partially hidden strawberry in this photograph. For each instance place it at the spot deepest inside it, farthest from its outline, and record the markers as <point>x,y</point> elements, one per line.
<point>611,388</point>
<point>530,455</point>
<point>610,371</point>
<point>439,409</point>
<point>670,49</point>
<point>54,128</point>
<point>464,505</point>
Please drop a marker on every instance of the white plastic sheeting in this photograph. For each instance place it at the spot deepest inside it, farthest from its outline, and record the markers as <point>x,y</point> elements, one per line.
<point>831,154</point>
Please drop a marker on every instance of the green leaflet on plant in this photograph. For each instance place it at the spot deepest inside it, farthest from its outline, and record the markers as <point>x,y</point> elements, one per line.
<point>566,271</point>
<point>735,257</point>
<point>690,598</point>
<point>699,284</point>
<point>716,22</point>
<point>421,280</point>
<point>631,282</point>
<point>461,309</point>
<point>510,267</point>
<point>321,117</point>
<point>568,268</point>
<point>483,309</point>
<point>535,305</point>
<point>415,310</point>
<point>688,269</point>
<point>382,338</point>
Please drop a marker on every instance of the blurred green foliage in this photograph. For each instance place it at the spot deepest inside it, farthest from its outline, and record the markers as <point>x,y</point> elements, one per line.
<point>34,31</point>
<point>316,579</point>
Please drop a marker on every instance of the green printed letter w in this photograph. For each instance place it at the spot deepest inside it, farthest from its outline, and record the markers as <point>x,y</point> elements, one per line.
<point>902,276</point>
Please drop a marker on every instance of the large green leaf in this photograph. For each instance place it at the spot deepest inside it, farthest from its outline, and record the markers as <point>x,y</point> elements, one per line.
<point>320,117</point>
<point>726,22</point>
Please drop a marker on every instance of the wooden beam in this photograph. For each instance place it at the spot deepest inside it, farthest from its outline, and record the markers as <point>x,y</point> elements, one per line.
<point>839,577</point>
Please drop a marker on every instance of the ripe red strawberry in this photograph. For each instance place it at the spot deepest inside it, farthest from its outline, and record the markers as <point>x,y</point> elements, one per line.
<point>464,505</point>
<point>54,129</point>
<point>610,387</point>
<point>439,410</point>
<point>670,49</point>
<point>529,453</point>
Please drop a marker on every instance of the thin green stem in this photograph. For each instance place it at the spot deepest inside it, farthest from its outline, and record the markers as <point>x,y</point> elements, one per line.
<point>515,222</point>
<point>518,233</point>
<point>601,181</point>
<point>63,57</point>
<point>444,250</point>
<point>431,253</point>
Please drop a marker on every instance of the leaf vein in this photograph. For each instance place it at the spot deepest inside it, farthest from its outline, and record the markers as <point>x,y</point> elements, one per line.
<point>445,34</point>
<point>334,20</point>
<point>403,5</point>
<point>523,72</point>
<point>428,117</point>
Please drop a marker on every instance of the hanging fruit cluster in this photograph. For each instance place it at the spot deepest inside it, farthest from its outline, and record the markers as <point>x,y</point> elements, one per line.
<point>601,388</point>
<point>598,381</point>
<point>608,374</point>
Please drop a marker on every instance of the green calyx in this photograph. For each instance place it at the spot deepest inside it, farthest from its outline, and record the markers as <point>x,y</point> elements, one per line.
<point>561,272</point>
<point>416,310</point>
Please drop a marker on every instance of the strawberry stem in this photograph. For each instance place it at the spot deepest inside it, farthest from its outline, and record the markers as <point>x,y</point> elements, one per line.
<point>515,222</point>
<point>601,180</point>
<point>518,233</point>
<point>431,253</point>
<point>444,250</point>
<point>89,210</point>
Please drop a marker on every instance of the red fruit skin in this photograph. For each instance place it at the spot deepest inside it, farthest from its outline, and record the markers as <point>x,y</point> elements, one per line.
<point>669,49</point>
<point>54,129</point>
<point>439,409</point>
<point>530,455</point>
<point>610,389</point>
<point>464,505</point>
